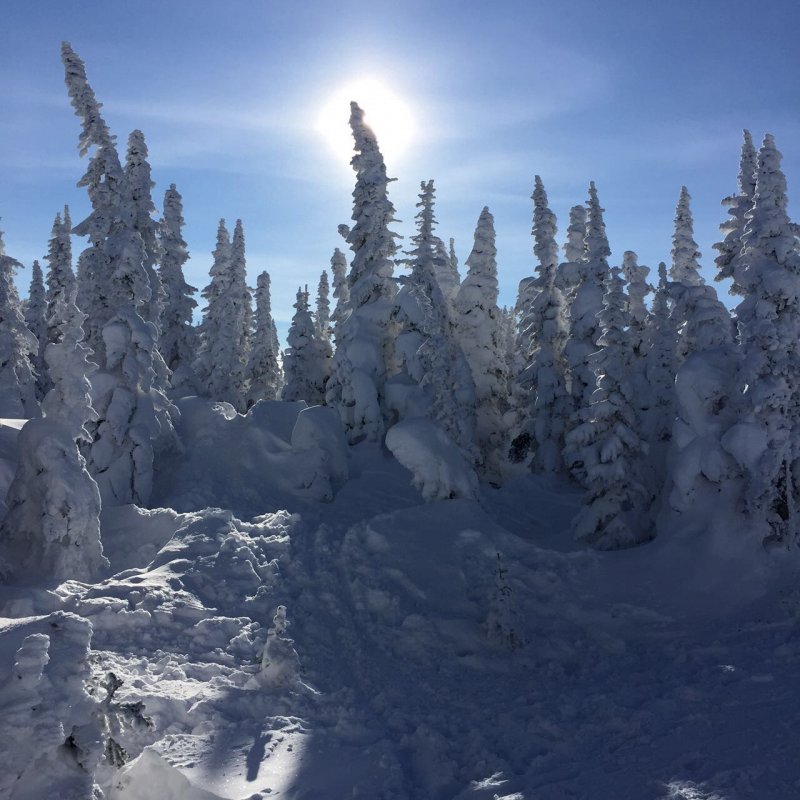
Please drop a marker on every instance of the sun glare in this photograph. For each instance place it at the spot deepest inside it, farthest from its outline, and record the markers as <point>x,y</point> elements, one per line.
<point>384,111</point>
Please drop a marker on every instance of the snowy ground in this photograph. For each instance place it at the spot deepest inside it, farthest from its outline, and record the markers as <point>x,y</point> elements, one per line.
<point>423,664</point>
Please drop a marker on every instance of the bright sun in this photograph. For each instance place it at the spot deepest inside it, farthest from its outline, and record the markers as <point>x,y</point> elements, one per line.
<point>384,111</point>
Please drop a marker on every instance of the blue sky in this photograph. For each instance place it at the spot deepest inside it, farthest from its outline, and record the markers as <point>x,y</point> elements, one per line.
<point>640,97</point>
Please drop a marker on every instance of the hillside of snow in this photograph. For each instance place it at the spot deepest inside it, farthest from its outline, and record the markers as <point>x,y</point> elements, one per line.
<point>282,644</point>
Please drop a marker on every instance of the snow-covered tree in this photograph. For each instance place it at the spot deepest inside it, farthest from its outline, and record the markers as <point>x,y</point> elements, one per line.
<point>36,322</point>
<point>638,288</point>
<point>766,441</point>
<point>607,442</point>
<point>60,277</point>
<point>132,413</point>
<point>225,331</point>
<point>178,341</point>
<point>739,204</point>
<point>447,270</point>
<point>322,320</point>
<point>706,402</point>
<point>546,404</point>
<point>685,269</point>
<point>303,361</point>
<point>341,291</point>
<point>17,347</point>
<point>137,171</point>
<point>264,377</point>
<point>432,377</point>
<point>52,529</point>
<point>569,273</point>
<point>366,336</point>
<point>480,327</point>
<point>586,303</point>
<point>661,362</point>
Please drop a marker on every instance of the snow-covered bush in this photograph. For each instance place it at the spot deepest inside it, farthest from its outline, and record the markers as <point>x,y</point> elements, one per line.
<point>437,466</point>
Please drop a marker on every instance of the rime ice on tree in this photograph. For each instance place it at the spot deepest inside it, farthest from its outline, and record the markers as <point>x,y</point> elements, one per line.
<point>607,442</point>
<point>365,344</point>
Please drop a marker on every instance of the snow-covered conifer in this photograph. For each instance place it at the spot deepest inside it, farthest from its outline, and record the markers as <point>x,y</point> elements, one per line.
<point>685,267</point>
<point>264,377</point>
<point>739,204</point>
<point>227,319</point>
<point>480,327</point>
<point>322,320</point>
<point>769,331</point>
<point>446,265</point>
<point>133,413</point>
<point>36,322</point>
<point>341,291</point>
<point>137,171</point>
<point>177,343</point>
<point>304,362</point>
<point>433,378</point>
<point>587,302</point>
<point>569,273</point>
<point>106,185</point>
<point>661,362</point>
<point>52,529</point>
<point>706,402</point>
<point>638,288</point>
<point>60,277</point>
<point>607,443</point>
<point>17,347</point>
<point>366,336</point>
<point>543,402</point>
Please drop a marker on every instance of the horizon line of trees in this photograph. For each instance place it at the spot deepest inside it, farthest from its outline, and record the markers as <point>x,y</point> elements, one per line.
<point>679,406</point>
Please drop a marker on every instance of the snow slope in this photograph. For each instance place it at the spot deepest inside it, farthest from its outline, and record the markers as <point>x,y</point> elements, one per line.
<point>458,649</point>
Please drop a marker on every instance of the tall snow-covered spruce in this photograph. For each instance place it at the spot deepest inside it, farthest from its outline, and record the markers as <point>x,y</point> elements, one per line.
<point>587,302</point>
<point>766,441</point>
<point>304,360</point>
<point>607,442</point>
<point>177,343</point>
<point>115,283</point>
<point>739,204</point>
<point>36,322</point>
<point>341,291</point>
<point>364,349</point>
<point>264,377</point>
<point>137,171</point>
<point>543,401</point>
<point>432,377</point>
<point>18,346</point>
<point>60,277</point>
<point>480,327</point>
<point>225,331</point>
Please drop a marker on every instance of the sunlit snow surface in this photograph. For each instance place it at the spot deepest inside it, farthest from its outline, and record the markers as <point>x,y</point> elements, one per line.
<point>422,665</point>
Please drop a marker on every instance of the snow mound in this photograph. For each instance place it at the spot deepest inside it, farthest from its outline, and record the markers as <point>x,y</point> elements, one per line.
<point>247,463</point>
<point>438,468</point>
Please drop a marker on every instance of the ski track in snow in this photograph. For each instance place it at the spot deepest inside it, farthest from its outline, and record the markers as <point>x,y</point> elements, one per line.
<point>635,679</point>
